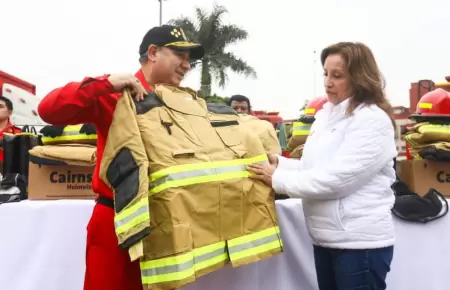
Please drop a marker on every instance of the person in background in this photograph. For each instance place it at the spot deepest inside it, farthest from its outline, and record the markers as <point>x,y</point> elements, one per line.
<point>241,104</point>
<point>6,110</point>
<point>164,56</point>
<point>264,129</point>
<point>345,175</point>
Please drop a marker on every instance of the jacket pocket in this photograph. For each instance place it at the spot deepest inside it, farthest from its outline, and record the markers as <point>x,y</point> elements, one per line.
<point>229,135</point>
<point>323,214</point>
<point>174,127</point>
<point>232,137</point>
<point>340,214</point>
<point>168,239</point>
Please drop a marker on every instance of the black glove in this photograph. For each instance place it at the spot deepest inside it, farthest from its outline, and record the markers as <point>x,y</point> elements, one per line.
<point>88,129</point>
<point>52,131</point>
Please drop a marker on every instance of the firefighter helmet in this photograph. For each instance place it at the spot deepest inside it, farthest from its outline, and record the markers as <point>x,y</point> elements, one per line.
<point>315,105</point>
<point>434,103</point>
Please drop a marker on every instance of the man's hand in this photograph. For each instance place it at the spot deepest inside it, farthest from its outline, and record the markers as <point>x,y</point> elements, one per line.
<point>122,81</point>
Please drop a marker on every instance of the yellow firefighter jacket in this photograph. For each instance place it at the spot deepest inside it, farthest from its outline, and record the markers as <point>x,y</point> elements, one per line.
<point>430,139</point>
<point>184,203</point>
<point>265,131</point>
<point>300,132</point>
<point>297,153</point>
<point>73,134</point>
<point>64,154</point>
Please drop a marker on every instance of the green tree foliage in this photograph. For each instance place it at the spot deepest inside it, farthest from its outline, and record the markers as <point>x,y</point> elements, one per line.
<point>215,36</point>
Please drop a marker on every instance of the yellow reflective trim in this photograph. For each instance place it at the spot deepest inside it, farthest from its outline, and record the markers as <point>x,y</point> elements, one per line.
<point>257,250</point>
<point>425,105</point>
<point>70,133</point>
<point>187,259</point>
<point>198,180</point>
<point>254,244</point>
<point>434,128</point>
<point>69,137</point>
<point>134,221</point>
<point>300,129</point>
<point>254,236</point>
<point>310,111</point>
<point>300,132</point>
<point>20,134</point>
<point>185,265</point>
<point>73,128</point>
<point>203,165</point>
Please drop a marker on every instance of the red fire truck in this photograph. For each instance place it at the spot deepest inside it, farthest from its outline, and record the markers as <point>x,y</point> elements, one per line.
<point>23,96</point>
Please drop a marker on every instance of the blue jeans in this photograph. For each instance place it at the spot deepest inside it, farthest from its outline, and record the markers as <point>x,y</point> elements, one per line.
<point>352,269</point>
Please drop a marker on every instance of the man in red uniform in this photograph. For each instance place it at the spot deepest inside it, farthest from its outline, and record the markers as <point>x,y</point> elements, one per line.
<point>6,110</point>
<point>164,56</point>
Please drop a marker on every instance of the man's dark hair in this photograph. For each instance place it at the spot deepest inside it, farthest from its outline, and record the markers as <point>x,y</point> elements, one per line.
<point>240,98</point>
<point>8,102</point>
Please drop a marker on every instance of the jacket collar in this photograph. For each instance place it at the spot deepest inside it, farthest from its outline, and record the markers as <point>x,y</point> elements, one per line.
<point>140,76</point>
<point>339,108</point>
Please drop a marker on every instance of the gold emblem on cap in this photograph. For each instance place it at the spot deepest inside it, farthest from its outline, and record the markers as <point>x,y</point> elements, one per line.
<point>175,33</point>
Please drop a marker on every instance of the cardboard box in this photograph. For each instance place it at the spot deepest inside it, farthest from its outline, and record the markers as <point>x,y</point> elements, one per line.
<point>421,175</point>
<point>60,182</point>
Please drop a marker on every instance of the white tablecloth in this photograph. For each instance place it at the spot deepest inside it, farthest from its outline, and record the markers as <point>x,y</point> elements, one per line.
<point>42,246</point>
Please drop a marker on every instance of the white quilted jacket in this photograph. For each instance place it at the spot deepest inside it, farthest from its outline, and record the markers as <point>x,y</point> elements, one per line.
<point>344,178</point>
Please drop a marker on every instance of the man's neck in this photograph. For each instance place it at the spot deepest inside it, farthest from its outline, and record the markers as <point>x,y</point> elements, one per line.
<point>147,78</point>
<point>3,124</point>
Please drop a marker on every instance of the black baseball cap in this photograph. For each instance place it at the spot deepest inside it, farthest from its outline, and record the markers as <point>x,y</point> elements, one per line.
<point>172,37</point>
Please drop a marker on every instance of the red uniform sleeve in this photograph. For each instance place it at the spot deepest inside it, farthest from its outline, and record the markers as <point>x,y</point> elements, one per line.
<point>75,103</point>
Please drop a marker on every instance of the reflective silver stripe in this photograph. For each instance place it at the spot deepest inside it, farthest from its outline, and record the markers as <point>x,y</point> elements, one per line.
<point>249,245</point>
<point>141,210</point>
<point>298,128</point>
<point>198,173</point>
<point>183,266</point>
<point>70,133</point>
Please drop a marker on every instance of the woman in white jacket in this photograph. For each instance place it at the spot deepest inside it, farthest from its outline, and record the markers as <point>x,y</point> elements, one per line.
<point>345,175</point>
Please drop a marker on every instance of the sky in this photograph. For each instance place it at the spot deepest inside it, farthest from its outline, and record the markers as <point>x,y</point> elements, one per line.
<point>52,42</point>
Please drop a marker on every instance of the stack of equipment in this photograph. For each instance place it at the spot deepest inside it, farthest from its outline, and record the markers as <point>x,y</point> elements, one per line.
<point>302,127</point>
<point>66,145</point>
<point>427,138</point>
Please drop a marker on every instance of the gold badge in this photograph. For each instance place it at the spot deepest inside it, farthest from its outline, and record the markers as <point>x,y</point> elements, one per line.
<point>176,33</point>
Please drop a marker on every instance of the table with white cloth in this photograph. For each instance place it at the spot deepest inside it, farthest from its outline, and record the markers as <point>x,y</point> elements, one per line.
<point>42,247</point>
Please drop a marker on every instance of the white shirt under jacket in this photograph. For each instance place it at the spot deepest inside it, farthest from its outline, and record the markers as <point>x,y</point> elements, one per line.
<point>344,178</point>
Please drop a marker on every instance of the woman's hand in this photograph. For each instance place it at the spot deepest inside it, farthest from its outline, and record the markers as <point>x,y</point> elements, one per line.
<point>273,159</point>
<point>263,172</point>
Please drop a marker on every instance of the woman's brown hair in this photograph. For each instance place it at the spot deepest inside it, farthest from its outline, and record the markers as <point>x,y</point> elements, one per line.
<point>365,77</point>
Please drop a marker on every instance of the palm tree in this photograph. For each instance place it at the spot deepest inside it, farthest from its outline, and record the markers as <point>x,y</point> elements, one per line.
<point>215,37</point>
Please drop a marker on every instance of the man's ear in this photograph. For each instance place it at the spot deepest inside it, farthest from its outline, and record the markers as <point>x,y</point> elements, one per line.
<point>152,52</point>
<point>10,113</point>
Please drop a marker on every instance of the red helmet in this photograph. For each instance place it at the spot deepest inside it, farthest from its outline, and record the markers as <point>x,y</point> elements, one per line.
<point>434,103</point>
<point>315,105</point>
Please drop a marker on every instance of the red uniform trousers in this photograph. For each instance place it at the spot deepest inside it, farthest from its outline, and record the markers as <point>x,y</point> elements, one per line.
<point>107,266</point>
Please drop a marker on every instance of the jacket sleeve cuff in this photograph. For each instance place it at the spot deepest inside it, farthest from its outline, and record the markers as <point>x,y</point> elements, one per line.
<point>100,85</point>
<point>277,181</point>
<point>288,163</point>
